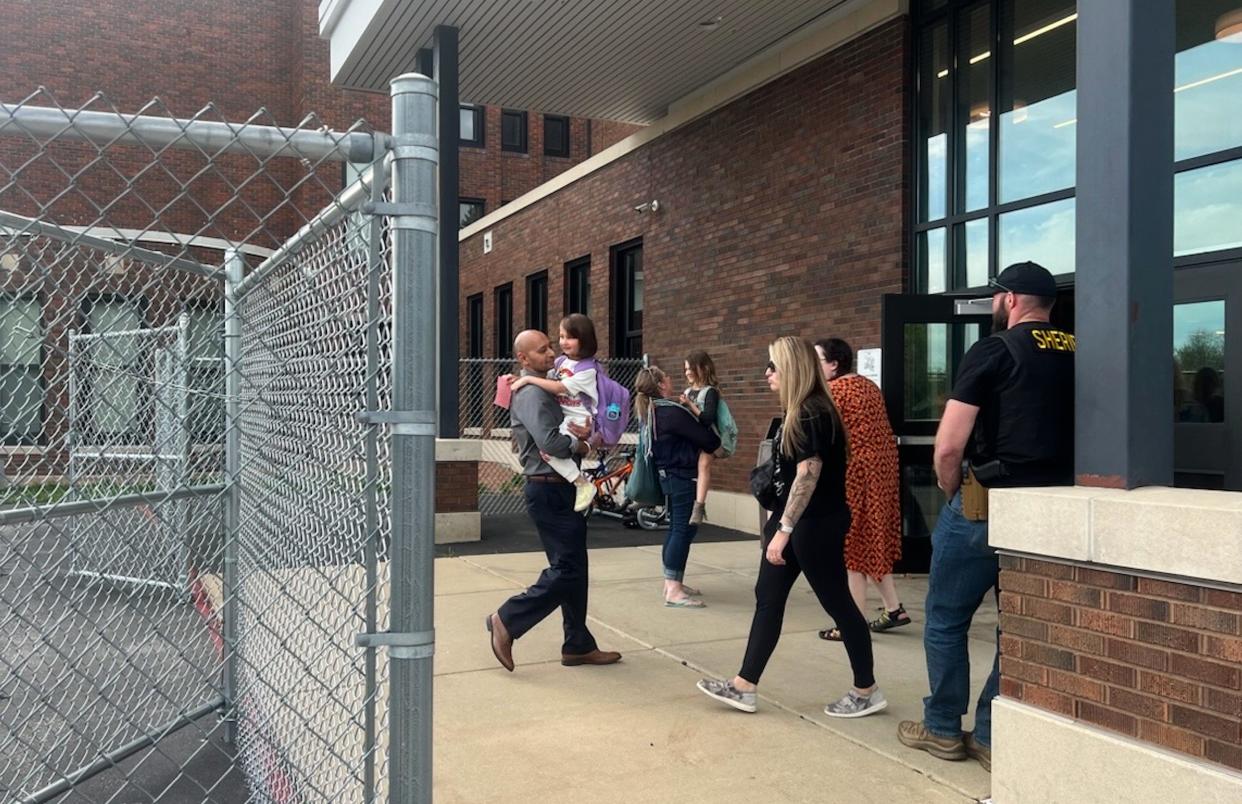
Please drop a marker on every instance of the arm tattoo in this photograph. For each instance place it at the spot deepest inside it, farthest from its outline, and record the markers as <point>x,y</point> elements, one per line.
<point>803,487</point>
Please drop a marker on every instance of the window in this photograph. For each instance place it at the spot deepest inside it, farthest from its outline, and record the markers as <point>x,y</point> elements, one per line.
<point>1199,361</point>
<point>537,301</point>
<point>555,136</point>
<point>578,286</point>
<point>21,370</point>
<point>476,393</point>
<point>627,293</point>
<point>995,139</point>
<point>469,210</point>
<point>472,126</point>
<point>111,369</point>
<point>513,131</point>
<point>504,321</point>
<point>205,350</point>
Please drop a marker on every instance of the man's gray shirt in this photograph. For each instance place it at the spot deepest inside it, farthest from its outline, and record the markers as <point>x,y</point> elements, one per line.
<point>536,419</point>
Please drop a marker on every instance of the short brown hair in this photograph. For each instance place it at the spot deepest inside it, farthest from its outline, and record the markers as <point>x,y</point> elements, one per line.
<point>704,369</point>
<point>577,325</point>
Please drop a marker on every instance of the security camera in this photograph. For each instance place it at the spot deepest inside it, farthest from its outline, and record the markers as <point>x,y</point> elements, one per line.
<point>647,206</point>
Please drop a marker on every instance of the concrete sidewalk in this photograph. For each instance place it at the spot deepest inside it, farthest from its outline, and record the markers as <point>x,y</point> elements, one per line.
<point>639,730</point>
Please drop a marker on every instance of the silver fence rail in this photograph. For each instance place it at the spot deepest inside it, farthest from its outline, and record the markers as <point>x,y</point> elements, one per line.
<point>500,481</point>
<point>216,509</point>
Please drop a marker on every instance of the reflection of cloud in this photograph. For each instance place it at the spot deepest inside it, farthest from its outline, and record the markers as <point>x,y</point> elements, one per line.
<point>1207,209</point>
<point>1208,316</point>
<point>1044,234</point>
<point>1205,115</point>
<point>937,175</point>
<point>1035,156</point>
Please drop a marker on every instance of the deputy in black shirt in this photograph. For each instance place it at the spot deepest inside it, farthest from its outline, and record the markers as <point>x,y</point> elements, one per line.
<point>1011,414</point>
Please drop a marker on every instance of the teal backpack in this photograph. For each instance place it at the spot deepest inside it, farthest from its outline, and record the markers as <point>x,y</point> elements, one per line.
<point>726,426</point>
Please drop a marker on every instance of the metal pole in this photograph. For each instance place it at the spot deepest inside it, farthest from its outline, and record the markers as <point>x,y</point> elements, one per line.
<point>234,267</point>
<point>106,128</point>
<point>375,266</point>
<point>414,240</point>
<point>445,58</point>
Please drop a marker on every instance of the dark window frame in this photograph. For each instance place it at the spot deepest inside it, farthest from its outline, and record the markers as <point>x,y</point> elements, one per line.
<point>40,439</point>
<point>503,302</point>
<point>624,333</point>
<point>480,126</point>
<point>476,329</point>
<point>560,152</point>
<point>537,301</point>
<point>512,147</point>
<point>480,202</point>
<point>577,286</point>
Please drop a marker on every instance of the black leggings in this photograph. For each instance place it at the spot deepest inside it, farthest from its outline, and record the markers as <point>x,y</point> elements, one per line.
<point>818,549</point>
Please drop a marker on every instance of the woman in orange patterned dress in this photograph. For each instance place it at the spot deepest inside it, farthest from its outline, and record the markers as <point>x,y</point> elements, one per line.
<point>871,486</point>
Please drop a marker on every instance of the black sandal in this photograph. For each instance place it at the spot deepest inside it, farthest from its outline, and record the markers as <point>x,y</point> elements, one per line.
<point>831,634</point>
<point>891,619</point>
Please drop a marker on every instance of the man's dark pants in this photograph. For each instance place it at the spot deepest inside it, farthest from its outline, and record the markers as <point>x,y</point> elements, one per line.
<point>563,584</point>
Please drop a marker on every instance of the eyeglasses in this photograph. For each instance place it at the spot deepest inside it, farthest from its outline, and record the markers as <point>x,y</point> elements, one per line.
<point>992,283</point>
<point>771,367</point>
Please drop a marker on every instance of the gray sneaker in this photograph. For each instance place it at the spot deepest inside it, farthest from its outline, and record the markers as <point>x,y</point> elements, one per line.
<point>725,692</point>
<point>855,705</point>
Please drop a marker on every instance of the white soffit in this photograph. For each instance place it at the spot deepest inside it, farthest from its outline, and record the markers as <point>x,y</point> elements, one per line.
<point>622,60</point>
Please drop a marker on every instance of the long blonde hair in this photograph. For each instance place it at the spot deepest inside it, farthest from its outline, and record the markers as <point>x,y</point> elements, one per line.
<point>803,391</point>
<point>647,390</point>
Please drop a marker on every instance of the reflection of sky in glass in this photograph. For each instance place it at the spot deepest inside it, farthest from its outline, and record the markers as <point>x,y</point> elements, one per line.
<point>1036,147</point>
<point>1208,98</point>
<point>937,348</point>
<point>933,243</point>
<point>1208,316</point>
<point>936,160</point>
<point>977,165</point>
<point>1044,234</point>
<point>1207,208</point>
<point>977,253</point>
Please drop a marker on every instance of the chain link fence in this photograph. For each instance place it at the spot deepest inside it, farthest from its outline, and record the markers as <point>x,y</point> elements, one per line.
<point>205,464</point>
<point>500,472</point>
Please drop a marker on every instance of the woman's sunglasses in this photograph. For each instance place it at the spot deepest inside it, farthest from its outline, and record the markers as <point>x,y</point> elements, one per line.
<point>771,367</point>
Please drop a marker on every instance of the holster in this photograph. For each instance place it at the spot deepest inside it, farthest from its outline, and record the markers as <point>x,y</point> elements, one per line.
<point>974,497</point>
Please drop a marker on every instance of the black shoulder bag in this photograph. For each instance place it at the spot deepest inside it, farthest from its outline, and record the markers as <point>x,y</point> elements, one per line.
<point>766,483</point>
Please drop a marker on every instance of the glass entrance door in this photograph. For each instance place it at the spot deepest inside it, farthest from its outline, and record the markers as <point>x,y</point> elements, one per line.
<point>1207,376</point>
<point>923,341</point>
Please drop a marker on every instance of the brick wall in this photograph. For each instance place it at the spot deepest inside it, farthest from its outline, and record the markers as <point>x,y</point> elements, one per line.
<point>1151,659</point>
<point>780,214</point>
<point>457,486</point>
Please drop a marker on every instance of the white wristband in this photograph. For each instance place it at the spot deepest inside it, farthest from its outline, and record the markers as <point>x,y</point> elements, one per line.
<point>786,528</point>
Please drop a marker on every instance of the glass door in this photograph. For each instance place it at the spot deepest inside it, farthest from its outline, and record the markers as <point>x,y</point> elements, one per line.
<point>923,341</point>
<point>1207,443</point>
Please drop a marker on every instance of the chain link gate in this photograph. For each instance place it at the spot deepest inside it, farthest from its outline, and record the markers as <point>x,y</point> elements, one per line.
<point>218,462</point>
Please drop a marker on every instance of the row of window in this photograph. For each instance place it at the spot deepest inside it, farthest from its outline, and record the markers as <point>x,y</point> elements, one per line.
<point>626,296</point>
<point>996,143</point>
<point>513,131</point>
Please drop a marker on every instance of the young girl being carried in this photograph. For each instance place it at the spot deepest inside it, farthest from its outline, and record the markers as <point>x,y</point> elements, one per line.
<point>577,393</point>
<point>703,400</point>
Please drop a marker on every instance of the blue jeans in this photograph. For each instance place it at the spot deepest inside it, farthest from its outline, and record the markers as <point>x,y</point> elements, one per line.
<point>963,570</point>
<point>681,533</point>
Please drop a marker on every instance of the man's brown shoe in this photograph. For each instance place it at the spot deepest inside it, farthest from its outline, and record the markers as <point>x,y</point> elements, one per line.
<point>594,657</point>
<point>914,733</point>
<point>976,751</point>
<point>502,643</point>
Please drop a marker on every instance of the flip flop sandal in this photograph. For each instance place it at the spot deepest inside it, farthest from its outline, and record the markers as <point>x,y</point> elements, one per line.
<point>685,603</point>
<point>831,635</point>
<point>691,591</point>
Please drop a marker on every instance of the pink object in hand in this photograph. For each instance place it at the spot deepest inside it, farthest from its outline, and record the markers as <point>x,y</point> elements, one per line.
<point>503,391</point>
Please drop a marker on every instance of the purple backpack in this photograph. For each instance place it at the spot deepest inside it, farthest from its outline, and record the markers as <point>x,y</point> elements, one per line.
<point>612,417</point>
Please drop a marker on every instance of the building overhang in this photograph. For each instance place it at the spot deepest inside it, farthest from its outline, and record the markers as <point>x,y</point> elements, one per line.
<point>628,61</point>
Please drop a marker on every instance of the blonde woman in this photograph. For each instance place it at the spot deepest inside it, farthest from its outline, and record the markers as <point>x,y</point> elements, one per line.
<point>676,437</point>
<point>805,534</point>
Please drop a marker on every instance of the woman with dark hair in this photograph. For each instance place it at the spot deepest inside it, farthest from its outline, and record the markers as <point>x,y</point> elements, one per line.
<point>804,534</point>
<point>676,437</point>
<point>872,486</point>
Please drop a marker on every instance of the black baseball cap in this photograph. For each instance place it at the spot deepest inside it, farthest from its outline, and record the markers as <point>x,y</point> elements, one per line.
<point>1030,278</point>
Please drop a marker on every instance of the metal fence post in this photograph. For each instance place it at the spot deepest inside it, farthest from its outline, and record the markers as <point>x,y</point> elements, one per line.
<point>414,229</point>
<point>234,267</point>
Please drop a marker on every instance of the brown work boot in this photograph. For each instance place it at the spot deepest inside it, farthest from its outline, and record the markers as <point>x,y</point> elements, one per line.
<point>596,656</point>
<point>978,751</point>
<point>502,643</point>
<point>914,733</point>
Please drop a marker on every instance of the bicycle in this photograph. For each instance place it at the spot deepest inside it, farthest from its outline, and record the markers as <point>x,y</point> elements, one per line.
<point>609,476</point>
